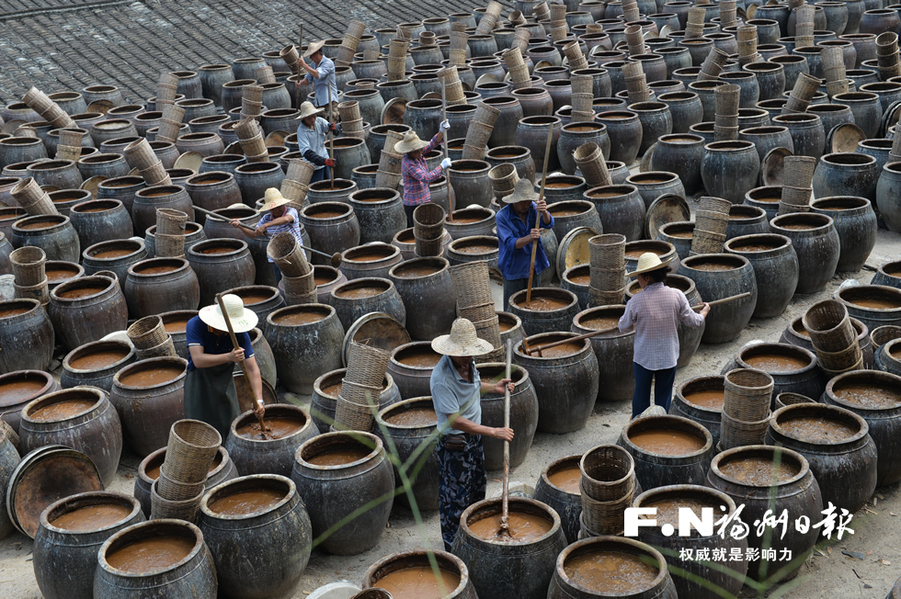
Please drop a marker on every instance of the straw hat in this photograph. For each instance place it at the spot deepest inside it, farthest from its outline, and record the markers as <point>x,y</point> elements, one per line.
<point>462,341</point>
<point>314,48</point>
<point>522,192</point>
<point>274,199</point>
<point>649,261</point>
<point>410,143</point>
<point>241,318</point>
<point>307,109</point>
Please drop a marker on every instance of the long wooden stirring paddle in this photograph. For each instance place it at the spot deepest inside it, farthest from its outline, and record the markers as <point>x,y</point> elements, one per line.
<point>547,155</point>
<point>505,496</point>
<point>231,333</point>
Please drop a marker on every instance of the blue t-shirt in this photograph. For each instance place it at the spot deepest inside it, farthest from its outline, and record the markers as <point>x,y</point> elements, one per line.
<point>514,263</point>
<point>198,332</point>
<point>452,394</point>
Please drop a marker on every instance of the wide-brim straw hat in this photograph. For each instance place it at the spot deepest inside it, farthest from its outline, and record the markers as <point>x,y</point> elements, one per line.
<point>314,48</point>
<point>410,143</point>
<point>462,341</point>
<point>241,318</point>
<point>650,261</point>
<point>522,192</point>
<point>274,199</point>
<point>307,109</point>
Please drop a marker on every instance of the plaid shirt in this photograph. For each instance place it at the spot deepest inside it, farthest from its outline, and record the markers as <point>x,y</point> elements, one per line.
<point>417,177</point>
<point>293,227</point>
<point>655,313</point>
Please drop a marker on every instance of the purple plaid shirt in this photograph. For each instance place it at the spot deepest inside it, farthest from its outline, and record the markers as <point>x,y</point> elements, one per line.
<point>417,177</point>
<point>656,313</point>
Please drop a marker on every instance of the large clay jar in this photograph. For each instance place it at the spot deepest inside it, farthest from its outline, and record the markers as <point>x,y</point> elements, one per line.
<point>252,454</point>
<point>83,419</point>
<point>655,580</point>
<point>625,131</point>
<point>333,227</point>
<point>775,265</point>
<point>359,297</point>
<point>816,243</point>
<point>428,294</point>
<point>718,276</point>
<point>94,364</point>
<point>838,447</point>
<point>680,460</point>
<point>221,264</point>
<point>523,414</point>
<point>729,169</point>
<point>469,179</point>
<point>558,488</point>
<point>565,379</point>
<point>161,285</point>
<point>794,369</point>
<point>496,565</point>
<point>149,396</point>
<point>621,209</point>
<point>783,482</point>
<point>613,351</point>
<point>550,309</point>
<point>532,133</point>
<point>275,541</point>
<point>325,397</point>
<point>67,540</point>
<point>149,199</point>
<point>808,135</point>
<point>86,309</point>
<point>682,154</point>
<point>700,399</point>
<point>25,325</point>
<point>655,119</point>
<point>380,212</point>
<point>844,174</point>
<point>888,196</point>
<point>339,474</point>
<point>411,427</point>
<point>457,572</point>
<point>855,223</point>
<point>573,135</point>
<point>306,341</point>
<point>53,233</point>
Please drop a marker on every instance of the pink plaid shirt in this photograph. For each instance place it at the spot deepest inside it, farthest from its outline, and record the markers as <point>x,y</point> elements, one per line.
<point>655,313</point>
<point>417,177</point>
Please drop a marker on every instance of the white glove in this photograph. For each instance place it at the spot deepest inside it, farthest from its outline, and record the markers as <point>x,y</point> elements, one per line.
<point>445,164</point>
<point>444,126</point>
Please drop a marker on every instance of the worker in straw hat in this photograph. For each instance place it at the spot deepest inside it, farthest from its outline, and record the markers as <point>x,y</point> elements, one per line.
<point>456,393</point>
<point>416,174</point>
<point>655,313</point>
<point>515,234</point>
<point>210,393</point>
<point>311,141</point>
<point>321,73</point>
<point>279,218</point>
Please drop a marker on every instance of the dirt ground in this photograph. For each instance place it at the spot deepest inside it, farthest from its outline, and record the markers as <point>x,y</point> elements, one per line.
<point>869,572</point>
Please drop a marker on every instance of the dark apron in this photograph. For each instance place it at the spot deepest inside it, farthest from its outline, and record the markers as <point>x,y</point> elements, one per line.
<point>211,397</point>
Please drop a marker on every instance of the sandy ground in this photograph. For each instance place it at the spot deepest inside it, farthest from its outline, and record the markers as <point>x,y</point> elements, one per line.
<point>829,573</point>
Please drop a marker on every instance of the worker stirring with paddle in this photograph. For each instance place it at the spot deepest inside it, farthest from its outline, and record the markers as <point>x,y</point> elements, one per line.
<point>456,393</point>
<point>279,218</point>
<point>210,393</point>
<point>416,174</point>
<point>321,73</point>
<point>515,235</point>
<point>656,313</point>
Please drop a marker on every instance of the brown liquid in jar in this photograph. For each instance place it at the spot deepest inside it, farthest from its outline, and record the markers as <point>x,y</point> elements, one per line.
<point>150,377</point>
<point>92,517</point>
<point>157,270</point>
<point>505,326</point>
<point>255,298</point>
<point>418,582</point>
<point>712,267</point>
<point>818,430</point>
<point>276,428</point>
<point>217,251</point>
<point>359,292</point>
<point>680,234</point>
<point>875,304</point>
<point>13,312</point>
<point>367,257</point>
<point>298,318</point>
<point>564,213</point>
<point>759,472</point>
<point>16,391</point>
<point>247,502</point>
<point>56,275</point>
<point>580,279</point>
<point>416,271</point>
<point>414,417</point>
<point>868,396</point>
<point>543,304</point>
<point>754,248</point>
<point>668,509</point>
<point>339,457</point>
<point>148,555</point>
<point>523,527</point>
<point>560,351</point>
<point>475,249</point>
<point>425,358</point>
<point>468,220</point>
<point>610,572</point>
<point>713,400</point>
<point>797,227</point>
<point>80,292</point>
<point>176,326</point>
<point>567,479</point>
<point>324,279</point>
<point>96,360</point>
<point>33,226</point>
<point>776,363</point>
<point>326,214</point>
<point>600,323</point>
<point>62,410</point>
<point>668,442</point>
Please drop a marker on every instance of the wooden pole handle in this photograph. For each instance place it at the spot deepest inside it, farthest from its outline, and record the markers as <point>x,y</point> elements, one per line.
<point>547,155</point>
<point>505,497</point>
<point>236,345</point>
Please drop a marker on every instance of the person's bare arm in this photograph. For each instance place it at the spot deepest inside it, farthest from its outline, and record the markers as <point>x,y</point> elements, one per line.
<point>202,359</point>
<point>468,426</point>
<point>256,384</point>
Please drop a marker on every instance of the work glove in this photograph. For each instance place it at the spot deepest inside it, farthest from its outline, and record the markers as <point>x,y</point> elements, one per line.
<point>444,126</point>
<point>445,164</point>
<point>329,162</point>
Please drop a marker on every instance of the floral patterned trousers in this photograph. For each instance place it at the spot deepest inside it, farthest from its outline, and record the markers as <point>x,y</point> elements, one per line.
<point>461,483</point>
